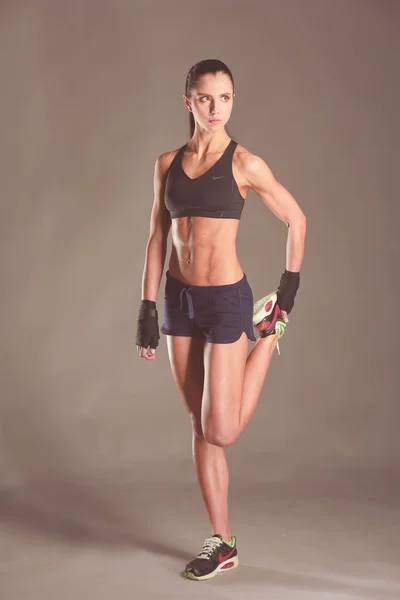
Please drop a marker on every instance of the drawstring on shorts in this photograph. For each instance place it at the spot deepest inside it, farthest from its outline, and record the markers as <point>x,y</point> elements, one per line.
<point>189,299</point>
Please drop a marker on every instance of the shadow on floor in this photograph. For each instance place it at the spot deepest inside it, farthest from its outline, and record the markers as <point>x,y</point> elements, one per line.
<point>76,513</point>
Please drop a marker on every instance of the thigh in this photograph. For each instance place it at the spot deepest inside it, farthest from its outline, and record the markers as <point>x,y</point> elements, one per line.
<point>224,368</point>
<point>186,360</point>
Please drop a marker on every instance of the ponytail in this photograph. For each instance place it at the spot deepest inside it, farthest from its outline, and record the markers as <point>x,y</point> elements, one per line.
<point>191,125</point>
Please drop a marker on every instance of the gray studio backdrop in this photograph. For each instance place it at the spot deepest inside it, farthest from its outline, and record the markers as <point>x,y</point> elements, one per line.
<point>91,95</point>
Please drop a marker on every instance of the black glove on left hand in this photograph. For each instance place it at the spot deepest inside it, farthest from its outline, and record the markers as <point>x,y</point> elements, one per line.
<point>287,289</point>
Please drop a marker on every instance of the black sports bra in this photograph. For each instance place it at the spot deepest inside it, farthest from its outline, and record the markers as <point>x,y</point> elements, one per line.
<point>213,194</point>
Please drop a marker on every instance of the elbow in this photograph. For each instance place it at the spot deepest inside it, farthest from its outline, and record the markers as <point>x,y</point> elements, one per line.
<point>297,221</point>
<point>159,236</point>
<point>157,244</point>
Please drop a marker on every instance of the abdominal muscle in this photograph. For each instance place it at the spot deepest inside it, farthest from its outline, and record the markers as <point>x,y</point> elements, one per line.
<point>204,251</point>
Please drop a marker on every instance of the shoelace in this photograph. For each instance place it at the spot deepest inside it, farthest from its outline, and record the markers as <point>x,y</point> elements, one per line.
<point>209,546</point>
<point>277,341</point>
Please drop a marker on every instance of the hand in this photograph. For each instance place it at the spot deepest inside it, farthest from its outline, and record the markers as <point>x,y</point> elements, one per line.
<point>147,330</point>
<point>147,353</point>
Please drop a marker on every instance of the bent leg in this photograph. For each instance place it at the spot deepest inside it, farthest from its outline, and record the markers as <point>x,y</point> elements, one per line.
<point>232,385</point>
<point>186,358</point>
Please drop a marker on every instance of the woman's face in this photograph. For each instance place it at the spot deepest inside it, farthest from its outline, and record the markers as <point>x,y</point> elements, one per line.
<point>211,101</point>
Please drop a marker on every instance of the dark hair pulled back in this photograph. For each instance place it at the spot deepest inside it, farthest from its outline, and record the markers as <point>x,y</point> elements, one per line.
<point>203,67</point>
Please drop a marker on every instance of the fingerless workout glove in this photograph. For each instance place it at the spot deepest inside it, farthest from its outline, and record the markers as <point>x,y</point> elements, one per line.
<point>287,289</point>
<point>147,333</point>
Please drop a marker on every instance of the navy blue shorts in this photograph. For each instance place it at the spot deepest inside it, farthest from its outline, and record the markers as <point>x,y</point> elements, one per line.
<point>220,313</point>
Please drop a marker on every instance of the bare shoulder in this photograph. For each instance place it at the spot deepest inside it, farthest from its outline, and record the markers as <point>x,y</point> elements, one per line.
<point>248,163</point>
<point>164,161</point>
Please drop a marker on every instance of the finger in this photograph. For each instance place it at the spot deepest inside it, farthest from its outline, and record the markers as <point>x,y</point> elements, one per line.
<point>285,316</point>
<point>139,349</point>
<point>142,352</point>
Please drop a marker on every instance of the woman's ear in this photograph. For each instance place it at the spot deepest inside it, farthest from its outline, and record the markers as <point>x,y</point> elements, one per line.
<point>187,102</point>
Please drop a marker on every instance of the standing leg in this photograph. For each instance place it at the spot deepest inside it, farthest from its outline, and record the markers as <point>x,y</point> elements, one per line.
<point>186,358</point>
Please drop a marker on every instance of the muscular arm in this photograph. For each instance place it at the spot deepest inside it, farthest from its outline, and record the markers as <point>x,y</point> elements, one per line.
<point>160,224</point>
<point>281,203</point>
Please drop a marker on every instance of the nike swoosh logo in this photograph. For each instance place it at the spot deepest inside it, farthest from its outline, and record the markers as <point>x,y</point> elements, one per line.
<point>221,177</point>
<point>222,558</point>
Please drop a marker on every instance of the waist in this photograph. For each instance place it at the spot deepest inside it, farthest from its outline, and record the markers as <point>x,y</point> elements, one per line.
<point>173,280</point>
<point>205,269</point>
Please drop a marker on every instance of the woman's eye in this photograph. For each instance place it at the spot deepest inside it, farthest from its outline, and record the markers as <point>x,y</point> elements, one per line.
<point>225,98</point>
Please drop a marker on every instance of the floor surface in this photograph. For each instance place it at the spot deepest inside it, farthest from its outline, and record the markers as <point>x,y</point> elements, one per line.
<point>316,535</point>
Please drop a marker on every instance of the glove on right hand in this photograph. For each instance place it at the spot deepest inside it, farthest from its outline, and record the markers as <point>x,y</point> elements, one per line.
<point>147,333</point>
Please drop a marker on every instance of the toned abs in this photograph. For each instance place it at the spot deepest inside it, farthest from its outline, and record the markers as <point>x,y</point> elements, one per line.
<point>204,251</point>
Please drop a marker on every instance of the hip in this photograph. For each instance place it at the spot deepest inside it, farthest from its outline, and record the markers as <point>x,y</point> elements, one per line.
<point>219,312</point>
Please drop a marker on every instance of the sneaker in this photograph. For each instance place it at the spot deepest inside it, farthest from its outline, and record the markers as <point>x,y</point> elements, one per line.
<point>267,318</point>
<point>215,557</point>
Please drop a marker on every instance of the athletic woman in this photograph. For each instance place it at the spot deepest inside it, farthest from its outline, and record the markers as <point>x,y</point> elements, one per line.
<point>199,193</point>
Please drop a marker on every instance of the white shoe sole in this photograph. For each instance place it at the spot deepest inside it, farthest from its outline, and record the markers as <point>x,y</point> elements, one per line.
<point>263,307</point>
<point>228,565</point>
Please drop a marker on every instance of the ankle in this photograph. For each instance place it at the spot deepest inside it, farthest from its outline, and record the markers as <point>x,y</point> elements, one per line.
<point>226,536</point>
<point>269,340</point>
<point>228,540</point>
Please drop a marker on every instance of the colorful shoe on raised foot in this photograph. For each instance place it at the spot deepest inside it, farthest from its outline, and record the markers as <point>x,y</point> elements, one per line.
<point>267,317</point>
<point>215,557</point>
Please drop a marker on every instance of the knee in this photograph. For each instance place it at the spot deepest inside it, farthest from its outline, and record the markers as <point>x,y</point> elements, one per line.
<point>221,436</point>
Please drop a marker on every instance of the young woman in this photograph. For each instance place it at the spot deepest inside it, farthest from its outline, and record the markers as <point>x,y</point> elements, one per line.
<point>199,193</point>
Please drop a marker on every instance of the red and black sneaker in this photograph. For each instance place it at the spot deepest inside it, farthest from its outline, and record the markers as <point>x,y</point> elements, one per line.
<point>215,557</point>
<point>267,317</point>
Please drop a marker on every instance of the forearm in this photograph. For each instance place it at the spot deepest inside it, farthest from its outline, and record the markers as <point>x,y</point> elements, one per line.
<point>295,243</point>
<point>156,251</point>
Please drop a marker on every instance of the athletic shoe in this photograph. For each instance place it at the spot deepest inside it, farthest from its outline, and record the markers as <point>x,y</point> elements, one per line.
<point>215,557</point>
<point>267,317</point>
